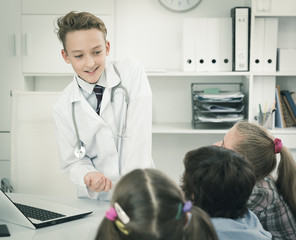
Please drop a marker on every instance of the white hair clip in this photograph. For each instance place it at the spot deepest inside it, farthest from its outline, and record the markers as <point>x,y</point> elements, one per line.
<point>121,214</point>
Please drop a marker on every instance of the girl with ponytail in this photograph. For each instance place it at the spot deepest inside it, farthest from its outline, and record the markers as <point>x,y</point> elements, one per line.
<point>146,204</point>
<point>273,198</point>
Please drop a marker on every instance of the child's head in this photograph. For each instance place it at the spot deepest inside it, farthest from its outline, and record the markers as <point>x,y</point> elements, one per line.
<point>83,36</point>
<point>253,142</point>
<point>78,21</point>
<point>156,210</point>
<point>260,148</point>
<point>218,180</point>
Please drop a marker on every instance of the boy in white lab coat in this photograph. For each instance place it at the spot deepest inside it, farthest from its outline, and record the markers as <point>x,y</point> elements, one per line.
<point>100,140</point>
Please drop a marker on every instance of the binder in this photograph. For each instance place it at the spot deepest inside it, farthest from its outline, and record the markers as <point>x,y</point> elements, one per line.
<point>225,45</point>
<point>241,38</point>
<point>270,44</point>
<point>201,45</point>
<point>258,46</point>
<point>189,45</point>
<point>213,40</point>
<point>286,59</point>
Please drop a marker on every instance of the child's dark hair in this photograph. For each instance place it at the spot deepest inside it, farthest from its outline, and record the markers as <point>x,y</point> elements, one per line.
<point>78,21</point>
<point>219,180</point>
<point>153,204</point>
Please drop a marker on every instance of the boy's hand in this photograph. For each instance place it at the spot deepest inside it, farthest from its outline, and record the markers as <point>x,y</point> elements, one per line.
<point>97,182</point>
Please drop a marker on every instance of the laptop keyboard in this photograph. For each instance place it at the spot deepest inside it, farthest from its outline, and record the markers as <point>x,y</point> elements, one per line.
<point>37,213</point>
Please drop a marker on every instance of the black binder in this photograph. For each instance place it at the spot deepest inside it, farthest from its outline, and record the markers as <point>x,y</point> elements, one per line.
<point>241,19</point>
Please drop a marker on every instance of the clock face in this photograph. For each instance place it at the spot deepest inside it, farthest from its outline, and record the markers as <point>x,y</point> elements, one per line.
<point>180,5</point>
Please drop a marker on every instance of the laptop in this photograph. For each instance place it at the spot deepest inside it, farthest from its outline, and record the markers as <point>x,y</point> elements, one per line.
<point>36,213</point>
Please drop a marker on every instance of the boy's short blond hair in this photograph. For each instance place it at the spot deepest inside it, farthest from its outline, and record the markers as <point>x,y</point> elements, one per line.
<point>74,21</point>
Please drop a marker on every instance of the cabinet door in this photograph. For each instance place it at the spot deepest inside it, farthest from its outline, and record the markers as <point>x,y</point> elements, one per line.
<point>10,61</point>
<point>41,47</point>
<point>4,155</point>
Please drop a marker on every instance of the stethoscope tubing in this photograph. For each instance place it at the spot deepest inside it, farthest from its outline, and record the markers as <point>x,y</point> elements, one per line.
<point>79,150</point>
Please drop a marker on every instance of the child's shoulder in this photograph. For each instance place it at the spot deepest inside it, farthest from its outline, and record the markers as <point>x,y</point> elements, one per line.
<point>65,94</point>
<point>127,63</point>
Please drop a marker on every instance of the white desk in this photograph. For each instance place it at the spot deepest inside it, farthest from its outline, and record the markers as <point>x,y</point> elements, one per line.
<point>81,229</point>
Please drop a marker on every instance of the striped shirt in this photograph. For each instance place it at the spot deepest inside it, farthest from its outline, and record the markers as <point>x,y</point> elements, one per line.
<point>272,211</point>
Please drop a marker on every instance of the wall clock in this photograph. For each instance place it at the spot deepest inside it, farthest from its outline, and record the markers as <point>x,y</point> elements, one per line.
<point>180,5</point>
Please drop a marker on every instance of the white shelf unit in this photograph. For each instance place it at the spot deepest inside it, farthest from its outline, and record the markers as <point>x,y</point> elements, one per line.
<point>286,38</point>
<point>173,135</point>
<point>182,128</point>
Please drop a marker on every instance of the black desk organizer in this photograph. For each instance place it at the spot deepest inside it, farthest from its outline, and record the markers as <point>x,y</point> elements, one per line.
<point>217,109</point>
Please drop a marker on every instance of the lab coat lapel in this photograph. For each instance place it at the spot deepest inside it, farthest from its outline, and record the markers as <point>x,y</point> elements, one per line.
<point>112,80</point>
<point>87,119</point>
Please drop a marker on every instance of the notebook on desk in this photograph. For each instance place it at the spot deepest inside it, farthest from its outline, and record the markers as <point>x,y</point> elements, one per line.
<point>33,212</point>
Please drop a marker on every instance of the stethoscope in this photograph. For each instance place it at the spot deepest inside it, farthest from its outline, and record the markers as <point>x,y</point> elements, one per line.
<point>79,150</point>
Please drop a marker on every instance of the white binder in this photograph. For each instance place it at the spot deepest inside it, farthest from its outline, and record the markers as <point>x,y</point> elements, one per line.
<point>270,44</point>
<point>241,19</point>
<point>189,44</point>
<point>213,39</point>
<point>258,48</point>
<point>225,45</point>
<point>201,45</point>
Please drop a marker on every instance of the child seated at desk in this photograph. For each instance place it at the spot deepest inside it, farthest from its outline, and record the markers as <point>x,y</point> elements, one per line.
<point>273,199</point>
<point>220,181</point>
<point>146,204</point>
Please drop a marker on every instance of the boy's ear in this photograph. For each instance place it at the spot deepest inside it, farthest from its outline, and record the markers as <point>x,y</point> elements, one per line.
<point>107,47</point>
<point>65,56</point>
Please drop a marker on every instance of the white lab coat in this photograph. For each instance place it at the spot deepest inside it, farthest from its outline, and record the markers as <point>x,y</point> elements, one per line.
<point>98,133</point>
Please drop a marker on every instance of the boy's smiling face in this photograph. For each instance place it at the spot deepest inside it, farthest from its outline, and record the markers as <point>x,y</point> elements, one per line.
<point>86,51</point>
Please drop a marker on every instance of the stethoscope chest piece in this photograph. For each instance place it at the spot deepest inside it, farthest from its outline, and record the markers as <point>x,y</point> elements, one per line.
<point>79,152</point>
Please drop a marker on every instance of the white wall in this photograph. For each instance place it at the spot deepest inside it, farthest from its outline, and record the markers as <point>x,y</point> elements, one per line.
<point>144,29</point>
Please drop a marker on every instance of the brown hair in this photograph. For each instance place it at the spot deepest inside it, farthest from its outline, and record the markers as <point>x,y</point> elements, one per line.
<point>256,144</point>
<point>151,200</point>
<point>220,181</point>
<point>78,21</point>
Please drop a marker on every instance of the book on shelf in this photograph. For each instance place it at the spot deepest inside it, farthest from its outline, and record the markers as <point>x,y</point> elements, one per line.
<point>287,118</point>
<point>290,112</point>
<point>293,95</point>
<point>290,101</point>
<point>279,118</point>
<point>285,114</point>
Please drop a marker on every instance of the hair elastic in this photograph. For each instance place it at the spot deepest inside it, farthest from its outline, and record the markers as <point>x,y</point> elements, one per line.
<point>111,214</point>
<point>277,145</point>
<point>186,208</point>
<point>116,212</point>
<point>122,227</point>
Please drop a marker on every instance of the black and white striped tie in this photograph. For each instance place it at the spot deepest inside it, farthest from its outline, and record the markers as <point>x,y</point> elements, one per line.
<point>98,90</point>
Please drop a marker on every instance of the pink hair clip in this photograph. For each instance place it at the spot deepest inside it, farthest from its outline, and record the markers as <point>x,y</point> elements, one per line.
<point>111,214</point>
<point>277,145</point>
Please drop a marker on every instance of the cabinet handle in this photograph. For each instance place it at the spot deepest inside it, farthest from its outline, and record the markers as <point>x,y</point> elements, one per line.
<point>28,41</point>
<point>16,39</point>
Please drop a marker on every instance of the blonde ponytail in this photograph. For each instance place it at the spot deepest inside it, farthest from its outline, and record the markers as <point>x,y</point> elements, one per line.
<point>258,146</point>
<point>286,180</point>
